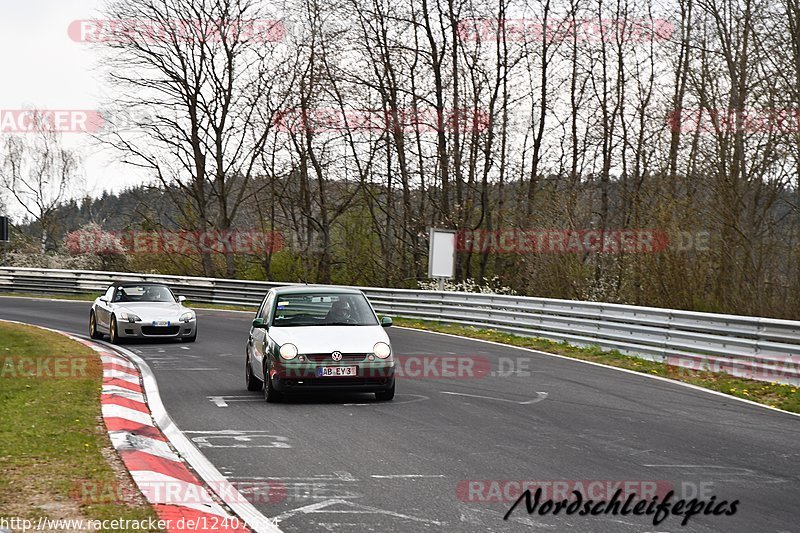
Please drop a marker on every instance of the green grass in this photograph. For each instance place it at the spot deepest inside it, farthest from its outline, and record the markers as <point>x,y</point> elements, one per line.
<point>786,397</point>
<point>53,443</point>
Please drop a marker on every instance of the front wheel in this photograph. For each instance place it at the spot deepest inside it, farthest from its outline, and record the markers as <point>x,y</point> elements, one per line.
<point>385,395</point>
<point>270,394</point>
<point>113,336</point>
<point>252,382</point>
<point>93,333</point>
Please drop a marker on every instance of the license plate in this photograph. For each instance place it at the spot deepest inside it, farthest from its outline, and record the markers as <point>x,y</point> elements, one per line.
<point>161,322</point>
<point>336,371</point>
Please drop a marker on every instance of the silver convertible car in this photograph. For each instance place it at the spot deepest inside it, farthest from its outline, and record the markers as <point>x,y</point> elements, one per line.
<point>141,310</point>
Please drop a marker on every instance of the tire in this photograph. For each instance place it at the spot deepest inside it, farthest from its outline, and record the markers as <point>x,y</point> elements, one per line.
<point>113,336</point>
<point>253,383</point>
<point>190,339</point>
<point>385,395</point>
<point>270,394</point>
<point>93,333</point>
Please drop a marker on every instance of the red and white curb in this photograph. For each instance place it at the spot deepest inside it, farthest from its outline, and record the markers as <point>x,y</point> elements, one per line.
<point>134,417</point>
<point>175,492</point>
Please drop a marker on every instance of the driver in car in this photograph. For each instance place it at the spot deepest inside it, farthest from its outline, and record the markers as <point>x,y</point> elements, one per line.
<point>339,312</point>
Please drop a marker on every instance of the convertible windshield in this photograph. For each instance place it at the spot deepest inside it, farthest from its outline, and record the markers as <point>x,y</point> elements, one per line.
<point>323,310</point>
<point>144,293</point>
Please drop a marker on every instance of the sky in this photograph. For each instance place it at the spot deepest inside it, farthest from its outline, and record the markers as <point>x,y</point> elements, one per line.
<point>43,68</point>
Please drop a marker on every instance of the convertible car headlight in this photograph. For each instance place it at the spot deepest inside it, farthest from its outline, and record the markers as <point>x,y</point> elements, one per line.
<point>382,350</point>
<point>288,351</point>
<point>130,317</point>
<point>187,317</point>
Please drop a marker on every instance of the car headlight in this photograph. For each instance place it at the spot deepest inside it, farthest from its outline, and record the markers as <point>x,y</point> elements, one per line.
<point>130,317</point>
<point>288,351</point>
<point>187,317</point>
<point>382,350</point>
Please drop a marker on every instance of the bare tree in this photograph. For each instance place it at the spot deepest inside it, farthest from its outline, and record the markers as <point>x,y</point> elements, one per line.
<point>209,82</point>
<point>39,173</point>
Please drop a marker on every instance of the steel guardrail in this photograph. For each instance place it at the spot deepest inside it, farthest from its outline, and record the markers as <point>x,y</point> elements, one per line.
<point>760,348</point>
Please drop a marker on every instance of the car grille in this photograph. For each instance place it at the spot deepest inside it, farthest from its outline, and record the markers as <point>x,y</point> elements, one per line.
<point>317,357</point>
<point>160,330</point>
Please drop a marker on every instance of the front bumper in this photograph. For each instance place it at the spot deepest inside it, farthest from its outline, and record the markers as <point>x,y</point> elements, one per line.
<point>146,330</point>
<point>371,376</point>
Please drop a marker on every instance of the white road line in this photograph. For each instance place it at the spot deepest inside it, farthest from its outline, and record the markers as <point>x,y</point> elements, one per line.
<point>222,401</point>
<point>240,439</point>
<point>475,516</point>
<point>218,401</point>
<point>416,398</point>
<point>540,396</point>
<point>310,479</point>
<point>352,508</point>
<point>404,476</point>
<point>228,432</point>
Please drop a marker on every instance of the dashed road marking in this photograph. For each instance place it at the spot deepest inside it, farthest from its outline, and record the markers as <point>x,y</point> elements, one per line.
<point>539,397</point>
<point>406,476</point>
<point>416,398</point>
<point>222,401</point>
<point>350,508</point>
<point>230,438</point>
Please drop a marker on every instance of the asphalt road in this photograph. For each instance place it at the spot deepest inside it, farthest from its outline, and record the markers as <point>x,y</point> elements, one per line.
<point>348,463</point>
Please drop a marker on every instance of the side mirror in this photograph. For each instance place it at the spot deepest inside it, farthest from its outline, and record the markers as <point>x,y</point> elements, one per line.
<point>181,299</point>
<point>259,323</point>
<point>386,321</point>
<point>103,299</point>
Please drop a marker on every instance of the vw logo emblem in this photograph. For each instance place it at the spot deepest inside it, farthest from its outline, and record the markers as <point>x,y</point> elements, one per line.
<point>336,356</point>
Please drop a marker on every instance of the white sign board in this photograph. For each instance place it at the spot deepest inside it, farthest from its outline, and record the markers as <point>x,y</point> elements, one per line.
<point>442,253</point>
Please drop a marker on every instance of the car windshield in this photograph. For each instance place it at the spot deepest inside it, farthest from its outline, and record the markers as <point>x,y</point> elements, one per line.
<point>144,293</point>
<point>323,309</point>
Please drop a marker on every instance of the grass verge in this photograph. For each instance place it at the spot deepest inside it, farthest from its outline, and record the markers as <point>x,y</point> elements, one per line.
<point>786,397</point>
<point>56,459</point>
